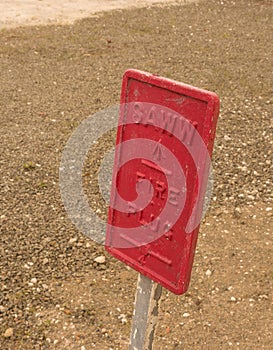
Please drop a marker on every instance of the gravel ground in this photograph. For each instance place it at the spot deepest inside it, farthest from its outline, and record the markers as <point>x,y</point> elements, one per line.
<point>54,295</point>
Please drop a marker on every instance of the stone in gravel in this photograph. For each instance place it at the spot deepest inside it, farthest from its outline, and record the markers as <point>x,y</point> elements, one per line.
<point>8,333</point>
<point>100,259</point>
<point>72,240</point>
<point>33,280</point>
<point>45,261</point>
<point>2,309</point>
<point>227,138</point>
<point>122,318</point>
<point>237,212</point>
<point>208,272</point>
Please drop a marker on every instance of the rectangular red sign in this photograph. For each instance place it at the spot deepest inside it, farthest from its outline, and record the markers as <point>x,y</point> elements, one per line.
<point>164,144</point>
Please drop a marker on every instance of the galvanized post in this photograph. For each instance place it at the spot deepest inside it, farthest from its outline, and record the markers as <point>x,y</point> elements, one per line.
<point>147,300</point>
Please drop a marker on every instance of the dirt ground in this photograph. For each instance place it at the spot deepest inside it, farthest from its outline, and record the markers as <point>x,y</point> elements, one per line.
<point>53,295</point>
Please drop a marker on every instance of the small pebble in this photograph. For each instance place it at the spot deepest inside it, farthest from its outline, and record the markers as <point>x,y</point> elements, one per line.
<point>208,273</point>
<point>2,308</point>
<point>8,333</point>
<point>100,259</point>
<point>45,261</point>
<point>72,240</point>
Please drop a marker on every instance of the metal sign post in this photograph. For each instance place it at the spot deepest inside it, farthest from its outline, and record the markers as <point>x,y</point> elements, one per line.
<point>164,143</point>
<point>145,316</point>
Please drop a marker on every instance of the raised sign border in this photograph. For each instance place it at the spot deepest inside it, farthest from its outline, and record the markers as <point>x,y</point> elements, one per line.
<point>210,120</point>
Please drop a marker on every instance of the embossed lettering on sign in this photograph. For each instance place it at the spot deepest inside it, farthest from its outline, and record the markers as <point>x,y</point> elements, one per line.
<point>158,152</point>
<point>169,121</point>
<point>146,252</point>
<point>141,219</point>
<point>169,233</point>
<point>161,258</point>
<point>155,223</point>
<point>132,208</point>
<point>160,188</point>
<point>155,167</point>
<point>140,176</point>
<point>137,116</point>
<point>173,194</point>
<point>151,116</point>
<point>143,258</point>
<point>187,131</point>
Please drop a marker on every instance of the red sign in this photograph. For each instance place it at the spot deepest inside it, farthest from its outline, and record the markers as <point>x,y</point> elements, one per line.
<point>164,143</point>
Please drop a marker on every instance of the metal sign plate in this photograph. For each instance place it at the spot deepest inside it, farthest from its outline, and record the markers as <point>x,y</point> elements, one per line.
<point>164,143</point>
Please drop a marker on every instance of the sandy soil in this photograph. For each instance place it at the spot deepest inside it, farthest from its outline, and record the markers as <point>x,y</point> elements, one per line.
<point>31,12</point>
